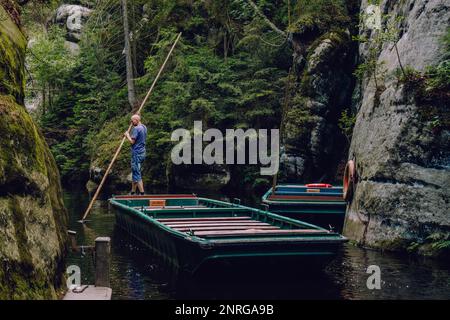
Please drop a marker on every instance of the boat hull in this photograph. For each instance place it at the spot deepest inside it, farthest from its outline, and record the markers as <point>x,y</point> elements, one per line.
<point>189,254</point>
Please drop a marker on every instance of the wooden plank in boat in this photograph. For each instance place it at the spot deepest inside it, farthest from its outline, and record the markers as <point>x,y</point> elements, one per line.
<point>157,196</point>
<point>254,232</point>
<point>218,224</point>
<point>174,223</point>
<point>228,209</point>
<point>202,219</point>
<point>161,204</point>
<point>184,229</point>
<point>282,197</point>
<point>231,221</point>
<point>170,207</point>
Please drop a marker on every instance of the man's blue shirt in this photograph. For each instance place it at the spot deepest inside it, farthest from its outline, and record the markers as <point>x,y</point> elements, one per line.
<point>139,134</point>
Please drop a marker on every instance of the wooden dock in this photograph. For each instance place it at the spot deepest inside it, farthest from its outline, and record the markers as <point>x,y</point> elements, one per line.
<point>89,292</point>
<point>101,289</point>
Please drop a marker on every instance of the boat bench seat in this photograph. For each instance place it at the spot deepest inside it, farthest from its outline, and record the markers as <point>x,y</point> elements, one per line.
<point>309,198</point>
<point>203,219</point>
<point>253,232</point>
<point>170,207</point>
<point>216,224</point>
<point>224,228</point>
<point>156,196</point>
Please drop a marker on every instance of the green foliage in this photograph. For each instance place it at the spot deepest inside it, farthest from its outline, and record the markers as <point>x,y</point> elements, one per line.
<point>36,13</point>
<point>390,34</point>
<point>446,44</point>
<point>79,93</point>
<point>408,74</point>
<point>431,92</point>
<point>48,58</point>
<point>370,66</point>
<point>346,123</point>
<point>90,95</point>
<point>225,71</point>
<point>438,77</point>
<point>319,16</point>
<point>431,89</point>
<point>241,91</point>
<point>436,244</point>
<point>300,122</point>
<point>439,241</point>
<point>413,247</point>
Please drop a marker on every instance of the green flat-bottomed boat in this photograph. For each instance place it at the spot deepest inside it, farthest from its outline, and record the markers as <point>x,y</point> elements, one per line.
<point>188,232</point>
<point>320,204</point>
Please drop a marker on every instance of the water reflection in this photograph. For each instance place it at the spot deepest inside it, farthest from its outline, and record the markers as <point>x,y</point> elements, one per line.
<point>137,274</point>
<point>402,277</point>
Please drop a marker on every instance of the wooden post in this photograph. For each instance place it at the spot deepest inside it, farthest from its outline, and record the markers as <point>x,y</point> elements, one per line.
<point>102,253</point>
<point>73,240</point>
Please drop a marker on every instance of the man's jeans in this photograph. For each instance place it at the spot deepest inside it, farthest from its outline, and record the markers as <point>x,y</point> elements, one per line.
<point>136,162</point>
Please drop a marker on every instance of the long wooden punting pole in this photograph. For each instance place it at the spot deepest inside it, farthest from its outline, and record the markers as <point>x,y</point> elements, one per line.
<point>129,128</point>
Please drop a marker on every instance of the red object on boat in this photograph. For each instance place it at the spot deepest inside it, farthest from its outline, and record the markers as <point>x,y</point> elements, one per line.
<point>319,185</point>
<point>349,180</point>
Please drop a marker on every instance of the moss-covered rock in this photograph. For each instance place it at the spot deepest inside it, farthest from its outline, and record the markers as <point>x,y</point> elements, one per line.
<point>12,58</point>
<point>32,215</point>
<point>324,55</point>
<point>314,144</point>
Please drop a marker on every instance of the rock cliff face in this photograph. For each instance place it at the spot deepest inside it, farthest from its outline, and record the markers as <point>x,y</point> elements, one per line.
<point>324,59</point>
<point>402,199</point>
<point>72,16</point>
<point>32,215</point>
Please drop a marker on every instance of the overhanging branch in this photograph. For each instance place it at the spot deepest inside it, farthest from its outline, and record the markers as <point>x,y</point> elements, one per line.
<point>263,16</point>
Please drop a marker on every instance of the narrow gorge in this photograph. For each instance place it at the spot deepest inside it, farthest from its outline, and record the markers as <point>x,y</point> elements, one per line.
<point>339,87</point>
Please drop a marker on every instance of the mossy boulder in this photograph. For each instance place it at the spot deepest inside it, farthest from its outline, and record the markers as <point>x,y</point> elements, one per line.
<point>32,215</point>
<point>12,57</point>
<point>314,144</point>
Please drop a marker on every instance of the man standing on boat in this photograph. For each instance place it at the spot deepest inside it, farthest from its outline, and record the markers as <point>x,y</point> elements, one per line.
<point>137,139</point>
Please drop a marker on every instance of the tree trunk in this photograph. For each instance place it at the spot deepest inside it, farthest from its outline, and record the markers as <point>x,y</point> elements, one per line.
<point>43,99</point>
<point>225,46</point>
<point>128,58</point>
<point>133,41</point>
<point>375,77</point>
<point>49,88</point>
<point>399,60</point>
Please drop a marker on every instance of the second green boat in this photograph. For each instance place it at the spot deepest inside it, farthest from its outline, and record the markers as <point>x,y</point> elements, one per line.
<point>317,203</point>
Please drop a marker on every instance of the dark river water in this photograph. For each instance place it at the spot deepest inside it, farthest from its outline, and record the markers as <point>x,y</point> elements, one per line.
<point>137,274</point>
